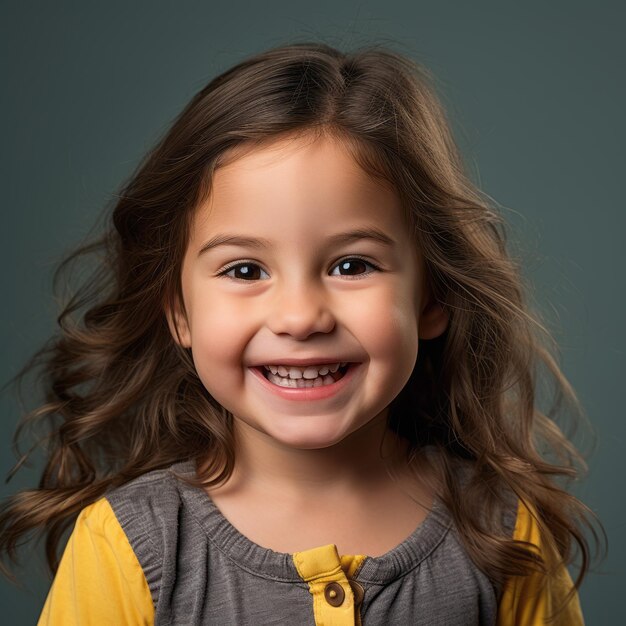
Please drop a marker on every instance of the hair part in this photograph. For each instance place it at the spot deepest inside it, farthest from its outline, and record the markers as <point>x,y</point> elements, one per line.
<point>123,398</point>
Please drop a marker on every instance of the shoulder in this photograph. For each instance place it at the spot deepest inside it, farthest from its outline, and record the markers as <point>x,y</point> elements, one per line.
<point>502,516</point>
<point>526,526</point>
<point>151,512</point>
<point>98,574</point>
<point>532,599</point>
<point>98,520</point>
<point>153,495</point>
<point>158,483</point>
<point>98,524</point>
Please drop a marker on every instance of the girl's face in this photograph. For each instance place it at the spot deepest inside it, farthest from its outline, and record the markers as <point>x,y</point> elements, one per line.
<point>300,257</point>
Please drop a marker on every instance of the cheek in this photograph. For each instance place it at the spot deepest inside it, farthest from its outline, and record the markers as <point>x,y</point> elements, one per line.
<point>216,349</point>
<point>388,329</point>
<point>219,335</point>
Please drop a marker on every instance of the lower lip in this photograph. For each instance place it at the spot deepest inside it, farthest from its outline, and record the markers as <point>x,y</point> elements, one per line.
<point>307,393</point>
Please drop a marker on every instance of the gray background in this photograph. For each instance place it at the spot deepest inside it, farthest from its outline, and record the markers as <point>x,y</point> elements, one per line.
<point>536,93</point>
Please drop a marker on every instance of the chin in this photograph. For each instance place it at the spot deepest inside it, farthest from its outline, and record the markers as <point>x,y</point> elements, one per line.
<point>303,439</point>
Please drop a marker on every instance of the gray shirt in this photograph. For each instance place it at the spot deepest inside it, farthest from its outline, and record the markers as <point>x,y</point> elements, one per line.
<point>201,570</point>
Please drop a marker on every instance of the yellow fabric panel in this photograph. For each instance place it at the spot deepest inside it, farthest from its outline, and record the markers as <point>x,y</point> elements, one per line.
<point>529,600</point>
<point>351,563</point>
<point>99,581</point>
<point>321,566</point>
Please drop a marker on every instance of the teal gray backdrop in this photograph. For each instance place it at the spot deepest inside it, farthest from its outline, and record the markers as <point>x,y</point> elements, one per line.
<point>537,97</point>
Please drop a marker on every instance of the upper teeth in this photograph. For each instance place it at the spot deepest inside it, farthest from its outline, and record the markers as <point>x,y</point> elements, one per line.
<point>310,372</point>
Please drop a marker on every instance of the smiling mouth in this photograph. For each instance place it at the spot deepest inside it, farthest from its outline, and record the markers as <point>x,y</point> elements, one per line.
<point>300,383</point>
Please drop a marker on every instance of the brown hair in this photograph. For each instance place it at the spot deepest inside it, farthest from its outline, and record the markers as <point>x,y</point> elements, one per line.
<point>123,398</point>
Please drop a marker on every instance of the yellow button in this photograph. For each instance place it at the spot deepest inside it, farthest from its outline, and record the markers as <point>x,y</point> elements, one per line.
<point>334,594</point>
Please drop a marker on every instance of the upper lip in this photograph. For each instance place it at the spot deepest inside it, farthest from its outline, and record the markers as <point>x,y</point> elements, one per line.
<point>303,362</point>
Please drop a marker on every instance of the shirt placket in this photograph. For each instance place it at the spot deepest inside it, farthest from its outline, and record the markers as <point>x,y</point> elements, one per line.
<point>336,599</point>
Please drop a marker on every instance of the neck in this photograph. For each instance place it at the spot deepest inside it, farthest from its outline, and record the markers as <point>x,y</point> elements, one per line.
<point>353,466</point>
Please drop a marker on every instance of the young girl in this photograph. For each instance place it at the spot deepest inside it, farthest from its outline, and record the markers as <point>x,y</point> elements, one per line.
<point>300,386</point>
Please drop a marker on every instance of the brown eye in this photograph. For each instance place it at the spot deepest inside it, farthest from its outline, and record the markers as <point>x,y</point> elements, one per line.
<point>243,271</point>
<point>353,267</point>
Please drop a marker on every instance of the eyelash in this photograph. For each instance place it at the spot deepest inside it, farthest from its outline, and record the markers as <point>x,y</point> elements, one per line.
<point>229,268</point>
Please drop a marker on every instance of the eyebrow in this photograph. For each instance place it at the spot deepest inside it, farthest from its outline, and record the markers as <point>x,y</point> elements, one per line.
<point>358,234</point>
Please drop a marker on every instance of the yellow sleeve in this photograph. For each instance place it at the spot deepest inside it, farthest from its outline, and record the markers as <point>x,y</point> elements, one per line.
<point>529,600</point>
<point>99,580</point>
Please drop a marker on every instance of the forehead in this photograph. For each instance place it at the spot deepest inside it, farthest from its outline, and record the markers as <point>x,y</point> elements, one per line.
<point>295,185</point>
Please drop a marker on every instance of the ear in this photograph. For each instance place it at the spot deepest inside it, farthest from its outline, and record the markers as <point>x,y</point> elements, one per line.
<point>433,319</point>
<point>178,324</point>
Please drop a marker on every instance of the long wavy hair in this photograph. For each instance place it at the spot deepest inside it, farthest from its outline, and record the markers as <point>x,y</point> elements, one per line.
<point>122,398</point>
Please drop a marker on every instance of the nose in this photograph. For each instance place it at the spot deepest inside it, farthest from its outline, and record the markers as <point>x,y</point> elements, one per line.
<point>301,310</point>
